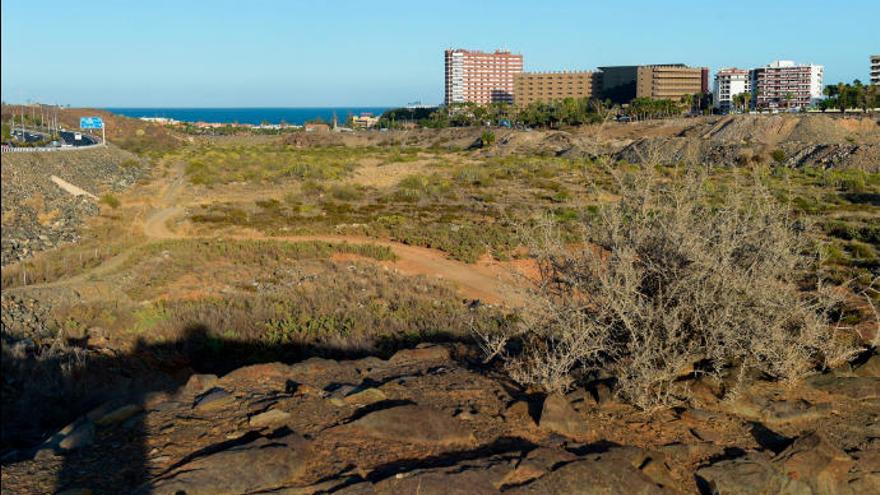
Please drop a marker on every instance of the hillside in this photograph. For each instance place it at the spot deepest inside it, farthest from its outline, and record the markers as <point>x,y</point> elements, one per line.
<point>38,214</point>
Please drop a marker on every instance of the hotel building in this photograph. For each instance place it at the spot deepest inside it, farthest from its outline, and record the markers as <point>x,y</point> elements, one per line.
<point>784,84</point>
<point>480,77</point>
<point>622,84</point>
<point>530,87</point>
<point>730,82</point>
<point>875,69</point>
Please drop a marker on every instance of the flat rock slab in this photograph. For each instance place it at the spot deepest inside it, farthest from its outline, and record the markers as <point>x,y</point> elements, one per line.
<point>268,418</point>
<point>854,387</point>
<point>263,464</point>
<point>605,474</point>
<point>414,424</point>
<point>791,411</point>
<point>365,397</point>
<point>119,415</point>
<point>216,398</point>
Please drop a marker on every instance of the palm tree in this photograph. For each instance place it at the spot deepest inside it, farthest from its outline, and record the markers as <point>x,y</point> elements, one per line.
<point>858,93</point>
<point>688,101</point>
<point>842,96</point>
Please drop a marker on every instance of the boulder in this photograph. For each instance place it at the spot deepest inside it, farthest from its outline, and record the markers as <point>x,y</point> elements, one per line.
<point>750,474</point>
<point>82,435</point>
<point>817,463</point>
<point>199,383</point>
<point>809,465</point>
<point>558,416</point>
<point>421,353</point>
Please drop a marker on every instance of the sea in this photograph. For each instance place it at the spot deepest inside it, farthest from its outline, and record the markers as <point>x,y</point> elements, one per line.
<point>291,115</point>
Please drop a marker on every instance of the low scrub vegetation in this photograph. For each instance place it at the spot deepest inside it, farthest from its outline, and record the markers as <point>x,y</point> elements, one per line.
<point>677,277</point>
<point>265,164</point>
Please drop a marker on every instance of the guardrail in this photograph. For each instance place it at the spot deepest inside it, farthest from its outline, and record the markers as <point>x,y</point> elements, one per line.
<point>47,149</point>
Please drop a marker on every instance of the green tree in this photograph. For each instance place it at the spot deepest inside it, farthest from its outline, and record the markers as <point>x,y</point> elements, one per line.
<point>842,99</point>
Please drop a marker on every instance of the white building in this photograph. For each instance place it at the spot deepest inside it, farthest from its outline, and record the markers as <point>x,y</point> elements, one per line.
<point>875,69</point>
<point>730,82</point>
<point>784,84</point>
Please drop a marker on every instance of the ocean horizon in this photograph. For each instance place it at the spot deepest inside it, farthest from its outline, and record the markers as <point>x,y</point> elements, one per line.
<point>247,115</point>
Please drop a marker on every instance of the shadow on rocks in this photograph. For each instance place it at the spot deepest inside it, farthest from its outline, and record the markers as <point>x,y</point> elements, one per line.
<point>106,398</point>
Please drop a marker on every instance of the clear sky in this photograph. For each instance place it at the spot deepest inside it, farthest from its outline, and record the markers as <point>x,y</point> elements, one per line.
<point>363,53</point>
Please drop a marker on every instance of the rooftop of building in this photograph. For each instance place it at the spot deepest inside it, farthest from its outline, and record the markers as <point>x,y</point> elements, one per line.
<point>555,72</point>
<point>497,51</point>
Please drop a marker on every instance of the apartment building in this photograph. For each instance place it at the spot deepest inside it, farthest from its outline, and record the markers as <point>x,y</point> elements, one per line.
<point>530,87</point>
<point>875,69</point>
<point>480,77</point>
<point>622,84</point>
<point>730,82</point>
<point>783,84</point>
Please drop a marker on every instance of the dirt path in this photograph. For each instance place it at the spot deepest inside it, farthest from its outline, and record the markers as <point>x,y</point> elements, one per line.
<point>491,282</point>
<point>70,188</point>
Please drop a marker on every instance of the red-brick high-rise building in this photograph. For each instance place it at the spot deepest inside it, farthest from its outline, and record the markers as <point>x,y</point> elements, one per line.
<point>480,77</point>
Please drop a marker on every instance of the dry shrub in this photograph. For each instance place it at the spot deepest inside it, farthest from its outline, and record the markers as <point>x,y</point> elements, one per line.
<point>674,275</point>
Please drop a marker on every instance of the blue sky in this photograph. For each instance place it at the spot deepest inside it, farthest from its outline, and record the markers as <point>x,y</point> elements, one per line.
<point>346,52</point>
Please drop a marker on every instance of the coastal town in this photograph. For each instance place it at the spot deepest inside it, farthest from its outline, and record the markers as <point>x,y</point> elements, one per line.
<point>473,77</point>
<point>464,248</point>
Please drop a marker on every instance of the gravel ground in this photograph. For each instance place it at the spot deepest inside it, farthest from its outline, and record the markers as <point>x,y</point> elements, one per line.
<point>39,215</point>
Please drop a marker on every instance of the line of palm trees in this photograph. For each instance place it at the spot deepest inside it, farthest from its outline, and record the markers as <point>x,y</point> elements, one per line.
<point>844,96</point>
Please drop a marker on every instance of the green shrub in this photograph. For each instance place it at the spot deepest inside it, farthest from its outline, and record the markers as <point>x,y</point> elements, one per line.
<point>777,155</point>
<point>487,139</point>
<point>110,200</point>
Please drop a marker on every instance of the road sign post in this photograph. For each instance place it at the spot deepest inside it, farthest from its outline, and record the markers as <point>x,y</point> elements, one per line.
<point>94,123</point>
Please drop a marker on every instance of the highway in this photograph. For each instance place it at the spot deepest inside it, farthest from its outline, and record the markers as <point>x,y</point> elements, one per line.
<point>69,137</point>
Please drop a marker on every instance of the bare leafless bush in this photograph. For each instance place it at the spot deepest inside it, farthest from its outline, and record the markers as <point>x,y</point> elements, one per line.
<point>677,273</point>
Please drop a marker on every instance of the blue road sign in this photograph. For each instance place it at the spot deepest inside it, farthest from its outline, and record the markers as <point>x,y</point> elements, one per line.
<point>91,123</point>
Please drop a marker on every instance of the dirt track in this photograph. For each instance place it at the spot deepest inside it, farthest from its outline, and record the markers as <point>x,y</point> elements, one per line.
<point>491,282</point>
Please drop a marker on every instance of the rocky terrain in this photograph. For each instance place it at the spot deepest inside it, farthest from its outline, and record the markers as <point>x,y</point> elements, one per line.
<point>155,367</point>
<point>432,420</point>
<point>804,140</point>
<point>38,214</point>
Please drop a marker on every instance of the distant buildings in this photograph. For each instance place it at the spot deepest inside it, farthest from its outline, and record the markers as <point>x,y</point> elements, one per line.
<point>622,84</point>
<point>161,120</point>
<point>364,121</point>
<point>730,82</point>
<point>529,87</point>
<point>875,69</point>
<point>480,77</point>
<point>784,84</point>
<point>316,127</point>
<point>484,78</point>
